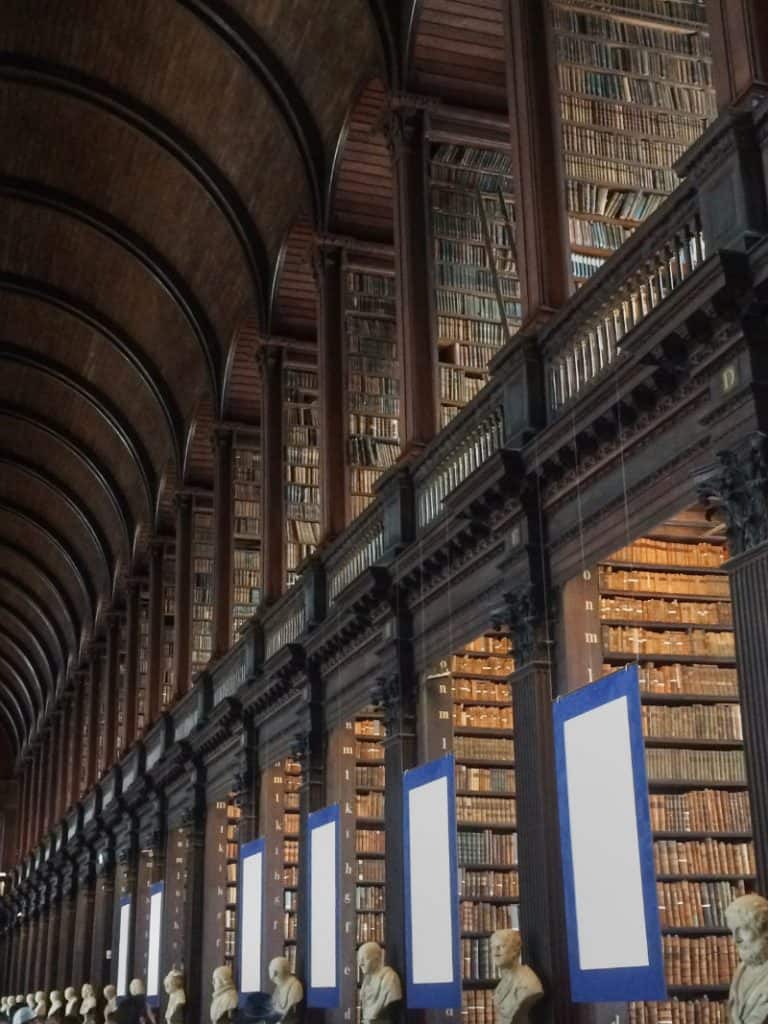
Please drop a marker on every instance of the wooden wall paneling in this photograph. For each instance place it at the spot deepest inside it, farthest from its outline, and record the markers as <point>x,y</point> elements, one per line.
<point>132,656</point>
<point>155,631</point>
<point>83,930</point>
<point>183,609</point>
<point>223,498</point>
<point>271,361</point>
<point>739,34</point>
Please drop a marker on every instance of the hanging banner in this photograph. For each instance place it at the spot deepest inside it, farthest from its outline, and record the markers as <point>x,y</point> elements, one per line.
<point>251,917</point>
<point>324,907</point>
<point>123,943</point>
<point>432,936</point>
<point>612,917</point>
<point>156,894</point>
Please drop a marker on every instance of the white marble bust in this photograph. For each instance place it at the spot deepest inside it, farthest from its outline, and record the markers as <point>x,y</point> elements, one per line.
<point>110,1001</point>
<point>225,997</point>
<point>41,1005</point>
<point>72,1008</point>
<point>747,917</point>
<point>177,997</point>
<point>57,1003</point>
<point>288,992</point>
<point>380,988</point>
<point>519,989</point>
<point>88,1005</point>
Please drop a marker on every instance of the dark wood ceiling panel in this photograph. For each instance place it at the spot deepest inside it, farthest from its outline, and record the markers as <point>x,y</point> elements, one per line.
<point>198,462</point>
<point>458,52</point>
<point>33,690</point>
<point>30,583</point>
<point>362,199</point>
<point>60,339</point>
<point>26,633</point>
<point>23,613</point>
<point>294,299</point>
<point>187,74</point>
<point>328,46</point>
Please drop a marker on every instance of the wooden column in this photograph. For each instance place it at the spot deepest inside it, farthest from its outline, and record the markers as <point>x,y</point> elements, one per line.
<point>53,935</point>
<point>155,638</point>
<point>39,807</point>
<point>327,266</point>
<point>66,930</point>
<point>83,930</point>
<point>271,361</point>
<point>63,722</point>
<point>110,684</point>
<point>20,979</point>
<point>103,917</point>
<point>408,147</point>
<point>92,710</point>
<point>77,698</point>
<point>183,610</point>
<point>21,832</point>
<point>223,499</point>
<point>50,755</point>
<point>197,987</point>
<point>739,34</point>
<point>541,224</point>
<point>133,586</point>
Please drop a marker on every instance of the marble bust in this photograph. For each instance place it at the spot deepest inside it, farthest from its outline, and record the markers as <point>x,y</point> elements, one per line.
<point>747,917</point>
<point>519,989</point>
<point>177,997</point>
<point>225,997</point>
<point>380,992</point>
<point>110,1000</point>
<point>57,1004</point>
<point>72,1008</point>
<point>41,1005</point>
<point>88,1005</point>
<point>288,993</point>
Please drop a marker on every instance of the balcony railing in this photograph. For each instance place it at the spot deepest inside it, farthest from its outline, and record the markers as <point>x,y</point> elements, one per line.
<point>363,549</point>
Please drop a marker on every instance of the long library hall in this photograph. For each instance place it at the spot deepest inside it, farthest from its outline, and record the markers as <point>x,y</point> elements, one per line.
<point>384,512</point>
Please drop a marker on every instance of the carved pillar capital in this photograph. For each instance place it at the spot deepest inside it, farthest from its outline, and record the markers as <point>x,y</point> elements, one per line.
<point>737,487</point>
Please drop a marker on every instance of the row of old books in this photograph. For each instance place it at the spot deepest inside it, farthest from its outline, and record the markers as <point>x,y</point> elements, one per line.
<point>370,805</point>
<point>484,748</point>
<point>611,201</point>
<point>594,168</point>
<point>485,780</point>
<point>703,857</point>
<point>602,113</point>
<point>369,451</point>
<point>291,851</point>
<point>636,640</point>
<point>369,776</point>
<point>677,1011</point>
<point>369,840</point>
<point>370,871</point>
<point>484,917</point>
<point>465,228</point>
<point>630,89</point>
<point>370,727</point>
<point>647,550</point>
<point>477,1006</point>
<point>705,810</point>
<point>303,452</point>
<point>597,234</point>
<point>645,62</point>
<point>486,810</point>
<point>487,847</point>
<point>370,284</point>
<point>290,876</point>
<point>300,473</point>
<point>481,717</point>
<point>456,386</point>
<point>370,385</point>
<point>687,904</point>
<point>696,766</point>
<point>382,427</point>
<point>583,267</point>
<point>479,279</point>
<point>375,405</point>
<point>300,381</point>
<point>369,897</point>
<point>498,884</point>
<point>369,927</point>
<point>715,680</point>
<point>371,337</point>
<point>479,307</point>
<point>303,531</point>
<point>630,33</point>
<point>710,960</point>
<point>491,665</point>
<point>369,752</point>
<point>710,613</point>
<point>450,329</point>
<point>480,689</point>
<point>465,202</point>
<point>696,721</point>
<point>302,414</point>
<point>290,901</point>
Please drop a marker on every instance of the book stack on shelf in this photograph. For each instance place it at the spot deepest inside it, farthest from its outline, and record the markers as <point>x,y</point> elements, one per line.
<point>635,92</point>
<point>373,381</point>
<point>232,855</point>
<point>167,673</point>
<point>694,749</point>
<point>302,468</point>
<point>177,874</point>
<point>142,663</point>
<point>280,795</point>
<point>369,828</point>
<point>476,287</point>
<point>122,726</point>
<point>202,586</point>
<point>246,555</point>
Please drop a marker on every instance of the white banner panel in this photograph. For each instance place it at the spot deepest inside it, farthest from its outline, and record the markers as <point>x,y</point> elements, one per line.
<point>251,916</point>
<point>123,944</point>
<point>324,908</point>
<point>156,894</point>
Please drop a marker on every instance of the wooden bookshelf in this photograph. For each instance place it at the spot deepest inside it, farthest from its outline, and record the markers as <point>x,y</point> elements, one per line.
<point>232,855</point>
<point>635,92</point>
<point>302,467</point>
<point>202,584</point>
<point>373,379</point>
<point>470,714</point>
<point>176,899</point>
<point>246,532</point>
<point>370,783</point>
<point>661,595</point>
<point>474,270</point>
<point>142,662</point>
<point>281,785</point>
<point>123,728</point>
<point>168,632</point>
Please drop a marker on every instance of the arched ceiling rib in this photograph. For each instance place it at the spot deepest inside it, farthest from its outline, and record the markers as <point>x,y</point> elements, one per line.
<point>163,151</point>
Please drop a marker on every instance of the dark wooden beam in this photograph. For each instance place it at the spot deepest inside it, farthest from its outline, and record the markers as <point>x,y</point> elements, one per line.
<point>385,16</point>
<point>11,721</point>
<point>11,581</point>
<point>89,523</point>
<point>101,474</point>
<point>153,261</point>
<point>52,537</point>
<point>148,122</point>
<point>9,671</point>
<point>270,72</point>
<point>33,638</point>
<point>31,667</point>
<point>127,347</point>
<point>103,405</point>
<point>17,659</point>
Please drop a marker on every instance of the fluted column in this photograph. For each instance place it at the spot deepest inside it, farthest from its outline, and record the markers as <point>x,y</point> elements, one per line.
<point>223,498</point>
<point>183,610</point>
